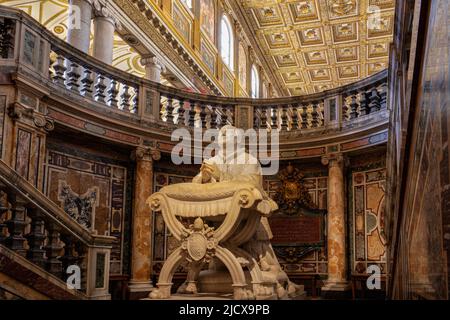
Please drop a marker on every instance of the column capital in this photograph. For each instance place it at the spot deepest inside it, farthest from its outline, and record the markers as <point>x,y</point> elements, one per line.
<point>146,154</point>
<point>333,159</point>
<point>100,10</point>
<point>151,61</point>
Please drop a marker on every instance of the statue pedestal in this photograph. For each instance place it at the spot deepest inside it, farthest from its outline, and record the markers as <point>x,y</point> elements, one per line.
<point>235,209</point>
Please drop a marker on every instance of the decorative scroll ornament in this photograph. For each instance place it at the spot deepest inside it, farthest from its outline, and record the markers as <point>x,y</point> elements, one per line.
<point>293,194</point>
<point>146,153</point>
<point>199,242</point>
<point>28,115</point>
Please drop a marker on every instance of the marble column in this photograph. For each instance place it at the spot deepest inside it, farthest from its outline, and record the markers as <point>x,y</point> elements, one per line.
<point>104,26</point>
<point>153,68</point>
<point>79,24</point>
<point>336,233</point>
<point>103,39</point>
<point>141,252</point>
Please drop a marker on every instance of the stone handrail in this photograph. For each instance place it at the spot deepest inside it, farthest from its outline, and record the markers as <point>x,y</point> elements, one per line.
<point>102,85</point>
<point>50,231</point>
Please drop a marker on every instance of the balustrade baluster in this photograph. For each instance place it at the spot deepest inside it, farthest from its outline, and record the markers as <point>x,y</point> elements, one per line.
<point>274,118</point>
<point>135,100</point>
<point>374,98</point>
<point>16,227</point>
<point>214,124</point>
<point>70,256</point>
<point>344,109</point>
<point>363,106</point>
<point>256,118</point>
<point>60,69</point>
<point>82,253</point>
<point>383,95</point>
<point>192,113</point>
<point>86,83</point>
<point>36,239</point>
<point>100,89</point>
<point>7,37</point>
<point>125,98</point>
<point>353,107</point>
<point>203,115</point>
<point>263,117</point>
<point>295,123</point>
<point>181,113</point>
<point>284,118</point>
<point>112,94</point>
<point>304,117</point>
<point>223,116</point>
<point>315,115</point>
<point>230,116</point>
<point>73,76</point>
<point>53,249</point>
<point>321,114</point>
<point>169,110</point>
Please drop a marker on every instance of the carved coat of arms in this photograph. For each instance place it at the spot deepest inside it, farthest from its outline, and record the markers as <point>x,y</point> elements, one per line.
<point>293,194</point>
<point>81,208</point>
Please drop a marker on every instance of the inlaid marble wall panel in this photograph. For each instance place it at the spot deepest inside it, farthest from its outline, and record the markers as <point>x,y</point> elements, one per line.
<point>163,242</point>
<point>295,261</point>
<point>23,153</point>
<point>367,220</point>
<point>91,191</point>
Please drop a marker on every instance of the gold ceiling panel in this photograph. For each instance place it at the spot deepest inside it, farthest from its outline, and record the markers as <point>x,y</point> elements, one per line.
<point>318,45</point>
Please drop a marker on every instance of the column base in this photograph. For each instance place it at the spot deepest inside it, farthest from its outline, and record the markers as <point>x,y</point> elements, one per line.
<point>139,290</point>
<point>336,290</point>
<point>100,297</point>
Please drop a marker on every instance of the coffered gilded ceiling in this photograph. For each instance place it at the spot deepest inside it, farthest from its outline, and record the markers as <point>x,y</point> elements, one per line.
<point>315,45</point>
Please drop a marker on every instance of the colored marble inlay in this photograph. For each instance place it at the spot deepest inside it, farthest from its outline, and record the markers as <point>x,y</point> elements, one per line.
<point>23,153</point>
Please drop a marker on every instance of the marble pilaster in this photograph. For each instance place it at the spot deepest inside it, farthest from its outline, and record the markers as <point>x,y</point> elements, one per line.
<point>336,233</point>
<point>141,255</point>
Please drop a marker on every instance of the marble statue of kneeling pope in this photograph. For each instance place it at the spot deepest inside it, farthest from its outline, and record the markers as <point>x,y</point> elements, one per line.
<point>248,235</point>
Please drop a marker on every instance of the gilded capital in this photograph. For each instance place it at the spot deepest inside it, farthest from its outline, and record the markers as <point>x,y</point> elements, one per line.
<point>146,154</point>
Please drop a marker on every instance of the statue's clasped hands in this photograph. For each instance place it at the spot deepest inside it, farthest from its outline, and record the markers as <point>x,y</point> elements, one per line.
<point>209,172</point>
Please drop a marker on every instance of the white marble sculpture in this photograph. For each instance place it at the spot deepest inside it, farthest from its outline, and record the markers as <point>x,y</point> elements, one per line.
<point>227,246</point>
